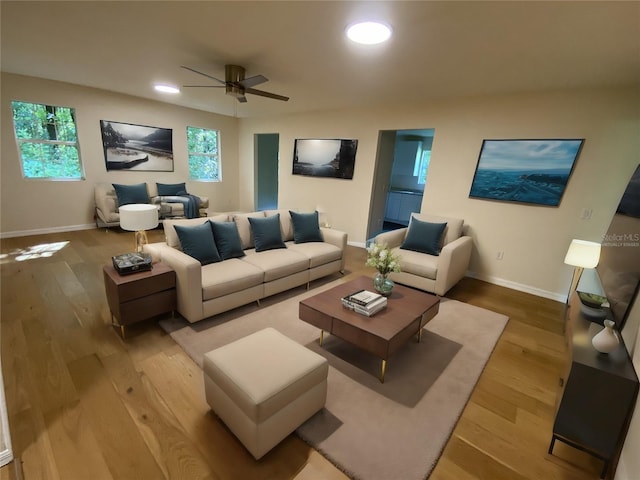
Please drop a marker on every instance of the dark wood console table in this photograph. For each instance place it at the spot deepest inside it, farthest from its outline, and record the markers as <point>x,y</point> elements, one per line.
<point>598,393</point>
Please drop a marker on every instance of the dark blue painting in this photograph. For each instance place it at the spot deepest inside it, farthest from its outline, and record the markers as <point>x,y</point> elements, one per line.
<point>526,171</point>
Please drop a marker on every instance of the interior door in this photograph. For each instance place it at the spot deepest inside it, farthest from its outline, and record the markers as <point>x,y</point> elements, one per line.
<point>266,157</point>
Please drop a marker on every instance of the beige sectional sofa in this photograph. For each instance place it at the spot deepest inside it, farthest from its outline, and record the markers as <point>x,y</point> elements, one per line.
<point>106,214</point>
<point>432,273</point>
<point>206,290</point>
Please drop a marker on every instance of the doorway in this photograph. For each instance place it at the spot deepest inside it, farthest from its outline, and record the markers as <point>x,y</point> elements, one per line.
<point>266,160</point>
<point>400,176</point>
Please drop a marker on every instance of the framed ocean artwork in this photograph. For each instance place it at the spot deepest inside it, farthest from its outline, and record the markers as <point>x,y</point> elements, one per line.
<point>525,171</point>
<point>322,157</point>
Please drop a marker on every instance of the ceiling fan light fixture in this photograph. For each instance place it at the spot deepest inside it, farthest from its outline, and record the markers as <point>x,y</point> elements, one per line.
<point>369,33</point>
<point>166,89</point>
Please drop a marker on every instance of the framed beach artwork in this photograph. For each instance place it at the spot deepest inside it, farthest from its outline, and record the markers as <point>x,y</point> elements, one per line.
<point>322,157</point>
<point>137,147</point>
<point>525,171</point>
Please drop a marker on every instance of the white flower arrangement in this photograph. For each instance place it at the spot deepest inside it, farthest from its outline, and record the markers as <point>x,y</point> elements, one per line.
<point>381,258</point>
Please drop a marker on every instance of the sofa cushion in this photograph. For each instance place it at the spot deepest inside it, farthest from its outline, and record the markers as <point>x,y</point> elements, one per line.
<point>306,227</point>
<point>128,194</point>
<point>227,239</point>
<point>277,263</point>
<point>266,233</point>
<point>417,263</point>
<point>230,276</point>
<point>197,242</point>
<point>452,232</point>
<point>244,228</point>
<point>285,222</point>
<point>318,253</point>
<point>424,237</point>
<point>170,235</point>
<point>165,189</point>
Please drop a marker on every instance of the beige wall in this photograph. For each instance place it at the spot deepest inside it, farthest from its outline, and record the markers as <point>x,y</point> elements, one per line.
<point>534,239</point>
<point>33,206</point>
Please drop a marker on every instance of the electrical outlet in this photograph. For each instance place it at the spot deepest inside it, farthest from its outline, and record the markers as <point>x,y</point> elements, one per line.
<point>499,255</point>
<point>586,214</point>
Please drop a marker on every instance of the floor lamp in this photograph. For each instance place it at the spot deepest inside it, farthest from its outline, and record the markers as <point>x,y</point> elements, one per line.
<point>581,255</point>
<point>139,217</point>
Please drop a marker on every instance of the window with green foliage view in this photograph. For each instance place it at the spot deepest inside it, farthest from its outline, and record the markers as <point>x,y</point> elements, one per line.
<point>204,154</point>
<point>48,141</point>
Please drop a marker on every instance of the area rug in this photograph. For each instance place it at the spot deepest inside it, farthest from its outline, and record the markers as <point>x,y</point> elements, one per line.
<point>370,430</point>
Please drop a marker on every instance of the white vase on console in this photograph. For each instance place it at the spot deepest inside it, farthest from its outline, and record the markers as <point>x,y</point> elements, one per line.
<point>606,341</point>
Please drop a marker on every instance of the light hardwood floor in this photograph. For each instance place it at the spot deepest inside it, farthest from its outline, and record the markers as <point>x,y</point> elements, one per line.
<point>85,404</point>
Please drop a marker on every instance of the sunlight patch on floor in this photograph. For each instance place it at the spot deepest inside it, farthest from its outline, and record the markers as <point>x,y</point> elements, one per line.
<point>35,251</point>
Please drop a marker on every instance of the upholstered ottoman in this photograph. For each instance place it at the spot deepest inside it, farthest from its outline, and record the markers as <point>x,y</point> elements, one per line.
<point>264,386</point>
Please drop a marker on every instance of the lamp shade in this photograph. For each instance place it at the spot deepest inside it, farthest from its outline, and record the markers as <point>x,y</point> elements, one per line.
<point>138,216</point>
<point>583,254</point>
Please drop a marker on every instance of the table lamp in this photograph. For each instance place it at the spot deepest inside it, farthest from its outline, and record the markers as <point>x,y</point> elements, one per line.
<point>581,254</point>
<point>139,217</point>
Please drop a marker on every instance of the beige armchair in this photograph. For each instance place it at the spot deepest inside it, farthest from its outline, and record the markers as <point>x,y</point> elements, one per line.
<point>432,273</point>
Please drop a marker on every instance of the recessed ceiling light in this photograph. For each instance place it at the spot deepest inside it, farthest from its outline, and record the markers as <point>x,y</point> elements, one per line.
<point>166,89</point>
<point>369,33</point>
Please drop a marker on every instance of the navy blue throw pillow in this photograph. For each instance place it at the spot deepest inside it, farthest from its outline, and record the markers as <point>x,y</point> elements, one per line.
<point>197,242</point>
<point>227,239</point>
<point>305,227</point>
<point>266,233</point>
<point>128,194</point>
<point>171,189</point>
<point>424,237</point>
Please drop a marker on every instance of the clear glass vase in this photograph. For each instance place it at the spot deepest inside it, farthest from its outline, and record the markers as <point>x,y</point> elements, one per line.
<point>383,284</point>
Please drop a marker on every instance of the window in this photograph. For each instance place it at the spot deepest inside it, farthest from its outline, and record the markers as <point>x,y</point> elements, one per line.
<point>47,141</point>
<point>204,154</point>
<point>422,166</point>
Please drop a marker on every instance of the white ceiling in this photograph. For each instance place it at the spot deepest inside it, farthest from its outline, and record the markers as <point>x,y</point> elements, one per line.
<point>439,49</point>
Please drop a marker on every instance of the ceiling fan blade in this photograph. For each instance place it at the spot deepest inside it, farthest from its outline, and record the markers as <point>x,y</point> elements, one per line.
<point>204,86</point>
<point>253,81</point>
<point>262,93</point>
<point>203,74</point>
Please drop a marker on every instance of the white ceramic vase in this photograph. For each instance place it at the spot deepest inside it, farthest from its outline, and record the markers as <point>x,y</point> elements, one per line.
<point>606,340</point>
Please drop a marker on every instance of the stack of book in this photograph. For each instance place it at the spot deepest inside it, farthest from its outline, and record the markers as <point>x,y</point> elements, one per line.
<point>365,302</point>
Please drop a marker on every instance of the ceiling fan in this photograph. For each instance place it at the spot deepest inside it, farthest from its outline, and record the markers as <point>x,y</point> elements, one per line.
<point>236,85</point>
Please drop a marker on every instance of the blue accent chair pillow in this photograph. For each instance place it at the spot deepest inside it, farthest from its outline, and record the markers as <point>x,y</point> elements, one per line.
<point>227,239</point>
<point>266,233</point>
<point>306,227</point>
<point>197,242</point>
<point>128,194</point>
<point>171,189</point>
<point>424,237</point>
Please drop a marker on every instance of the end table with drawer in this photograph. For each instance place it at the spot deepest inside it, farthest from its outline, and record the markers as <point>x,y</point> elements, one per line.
<point>139,296</point>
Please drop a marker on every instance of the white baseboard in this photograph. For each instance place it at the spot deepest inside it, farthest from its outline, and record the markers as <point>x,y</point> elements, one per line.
<point>501,282</point>
<point>518,286</point>
<point>42,231</point>
<point>5,457</point>
<point>487,278</point>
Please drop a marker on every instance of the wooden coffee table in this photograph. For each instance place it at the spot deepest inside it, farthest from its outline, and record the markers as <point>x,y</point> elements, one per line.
<point>407,312</point>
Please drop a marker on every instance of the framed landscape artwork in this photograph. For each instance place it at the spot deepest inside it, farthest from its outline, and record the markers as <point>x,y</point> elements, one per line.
<point>137,147</point>
<point>321,157</point>
<point>525,171</point>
